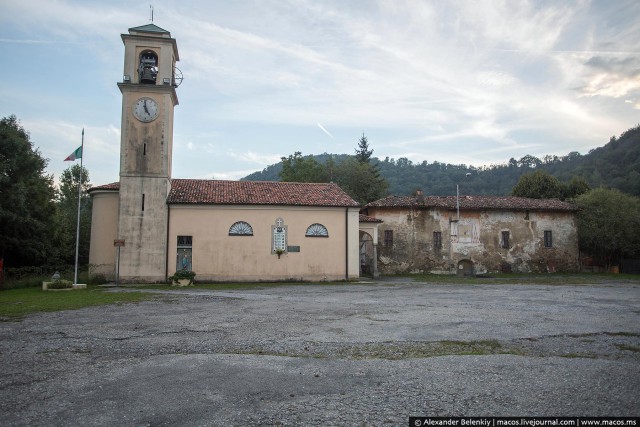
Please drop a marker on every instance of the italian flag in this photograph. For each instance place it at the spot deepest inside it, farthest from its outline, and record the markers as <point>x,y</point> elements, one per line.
<point>75,155</point>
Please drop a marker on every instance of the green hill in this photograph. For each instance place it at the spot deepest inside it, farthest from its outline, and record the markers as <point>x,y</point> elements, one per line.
<point>614,165</point>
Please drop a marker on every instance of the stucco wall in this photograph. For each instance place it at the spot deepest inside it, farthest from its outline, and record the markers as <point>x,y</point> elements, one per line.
<point>143,258</point>
<point>220,257</point>
<point>477,237</point>
<point>104,227</point>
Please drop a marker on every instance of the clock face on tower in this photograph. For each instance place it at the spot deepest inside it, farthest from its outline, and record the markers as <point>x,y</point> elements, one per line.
<point>146,109</point>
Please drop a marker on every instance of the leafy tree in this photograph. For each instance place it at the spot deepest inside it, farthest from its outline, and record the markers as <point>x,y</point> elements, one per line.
<point>26,198</point>
<point>297,168</point>
<point>530,161</point>
<point>67,216</point>
<point>538,185</point>
<point>577,186</point>
<point>363,154</point>
<point>361,181</point>
<point>609,224</point>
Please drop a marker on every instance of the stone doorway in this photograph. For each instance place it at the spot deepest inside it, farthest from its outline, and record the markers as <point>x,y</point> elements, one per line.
<point>366,254</point>
<point>465,268</point>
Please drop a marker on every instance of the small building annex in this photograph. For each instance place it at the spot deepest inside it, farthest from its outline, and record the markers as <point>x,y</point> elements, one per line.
<point>486,234</point>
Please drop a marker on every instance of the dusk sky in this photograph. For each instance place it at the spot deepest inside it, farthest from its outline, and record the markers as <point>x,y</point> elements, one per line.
<point>473,82</point>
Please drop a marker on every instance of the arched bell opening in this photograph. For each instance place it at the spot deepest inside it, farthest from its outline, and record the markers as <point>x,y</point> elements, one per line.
<point>148,67</point>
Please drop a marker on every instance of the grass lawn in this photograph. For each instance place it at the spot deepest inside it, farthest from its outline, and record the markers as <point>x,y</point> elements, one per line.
<point>17,303</point>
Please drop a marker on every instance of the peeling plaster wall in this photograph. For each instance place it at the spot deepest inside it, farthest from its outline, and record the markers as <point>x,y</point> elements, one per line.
<point>477,237</point>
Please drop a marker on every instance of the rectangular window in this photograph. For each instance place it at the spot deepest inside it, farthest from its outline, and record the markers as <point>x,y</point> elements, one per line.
<point>548,239</point>
<point>184,254</point>
<point>388,237</point>
<point>505,240</point>
<point>437,240</point>
<point>143,203</point>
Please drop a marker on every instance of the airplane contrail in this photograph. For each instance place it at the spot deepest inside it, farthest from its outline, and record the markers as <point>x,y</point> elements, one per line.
<point>325,131</point>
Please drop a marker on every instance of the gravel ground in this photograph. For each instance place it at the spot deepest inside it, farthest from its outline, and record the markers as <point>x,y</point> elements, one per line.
<point>364,354</point>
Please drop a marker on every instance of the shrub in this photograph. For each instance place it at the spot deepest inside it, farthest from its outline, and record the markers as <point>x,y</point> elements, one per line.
<point>60,284</point>
<point>183,275</point>
<point>97,279</point>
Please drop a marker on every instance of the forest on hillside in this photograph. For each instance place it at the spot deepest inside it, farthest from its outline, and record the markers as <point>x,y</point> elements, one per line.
<point>614,165</point>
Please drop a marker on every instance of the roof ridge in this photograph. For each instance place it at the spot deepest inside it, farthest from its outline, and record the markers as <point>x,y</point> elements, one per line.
<point>149,28</point>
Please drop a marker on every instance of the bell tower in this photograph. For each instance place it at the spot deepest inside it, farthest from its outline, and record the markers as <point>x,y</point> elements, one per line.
<point>148,99</point>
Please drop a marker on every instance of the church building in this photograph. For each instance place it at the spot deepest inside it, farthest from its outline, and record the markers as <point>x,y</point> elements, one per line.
<point>147,225</point>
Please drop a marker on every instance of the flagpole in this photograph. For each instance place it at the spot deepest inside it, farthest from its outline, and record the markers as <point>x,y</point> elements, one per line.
<point>75,276</point>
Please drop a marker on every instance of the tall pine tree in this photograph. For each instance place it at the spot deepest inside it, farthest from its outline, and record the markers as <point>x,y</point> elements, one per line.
<point>363,154</point>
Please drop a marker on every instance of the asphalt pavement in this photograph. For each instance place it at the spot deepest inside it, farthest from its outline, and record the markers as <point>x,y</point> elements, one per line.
<point>327,355</point>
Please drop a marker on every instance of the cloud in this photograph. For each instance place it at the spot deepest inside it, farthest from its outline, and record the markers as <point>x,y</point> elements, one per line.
<point>253,157</point>
<point>457,79</point>
<point>56,139</point>
<point>613,77</point>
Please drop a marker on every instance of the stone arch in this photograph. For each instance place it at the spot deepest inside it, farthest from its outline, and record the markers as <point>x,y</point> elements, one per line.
<point>367,254</point>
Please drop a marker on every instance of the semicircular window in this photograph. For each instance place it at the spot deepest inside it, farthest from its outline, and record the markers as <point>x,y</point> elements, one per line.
<point>241,228</point>
<point>317,230</point>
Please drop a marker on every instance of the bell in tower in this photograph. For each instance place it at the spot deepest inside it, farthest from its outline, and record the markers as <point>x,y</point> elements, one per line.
<point>148,67</point>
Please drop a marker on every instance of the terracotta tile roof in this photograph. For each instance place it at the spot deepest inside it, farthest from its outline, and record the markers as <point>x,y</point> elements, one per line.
<point>473,202</point>
<point>365,218</point>
<point>114,186</point>
<point>195,191</point>
<point>215,192</point>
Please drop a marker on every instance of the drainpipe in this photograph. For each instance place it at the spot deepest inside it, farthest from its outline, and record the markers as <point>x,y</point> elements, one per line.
<point>166,264</point>
<point>346,244</point>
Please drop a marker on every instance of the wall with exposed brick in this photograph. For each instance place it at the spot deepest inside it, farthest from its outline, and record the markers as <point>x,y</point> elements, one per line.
<point>478,236</point>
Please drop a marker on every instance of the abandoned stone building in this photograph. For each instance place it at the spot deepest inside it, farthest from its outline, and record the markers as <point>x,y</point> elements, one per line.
<point>485,234</point>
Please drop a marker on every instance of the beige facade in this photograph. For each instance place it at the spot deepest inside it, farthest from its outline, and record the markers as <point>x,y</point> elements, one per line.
<point>104,230</point>
<point>218,255</point>
<point>491,234</point>
<point>201,238</point>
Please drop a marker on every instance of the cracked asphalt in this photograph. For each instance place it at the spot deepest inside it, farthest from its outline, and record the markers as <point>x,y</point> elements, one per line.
<point>327,355</point>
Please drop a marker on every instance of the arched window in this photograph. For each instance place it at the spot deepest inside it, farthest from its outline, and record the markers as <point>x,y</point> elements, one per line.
<point>241,228</point>
<point>317,230</point>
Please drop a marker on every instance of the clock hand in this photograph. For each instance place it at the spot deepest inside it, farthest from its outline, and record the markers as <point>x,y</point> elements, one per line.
<point>145,107</point>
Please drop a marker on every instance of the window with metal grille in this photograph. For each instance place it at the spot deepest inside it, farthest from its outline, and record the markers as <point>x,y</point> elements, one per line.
<point>241,228</point>
<point>505,240</point>
<point>317,230</point>
<point>185,241</point>
<point>388,237</point>
<point>548,239</point>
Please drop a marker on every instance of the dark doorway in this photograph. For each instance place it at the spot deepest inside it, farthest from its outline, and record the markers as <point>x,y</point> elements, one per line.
<point>465,268</point>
